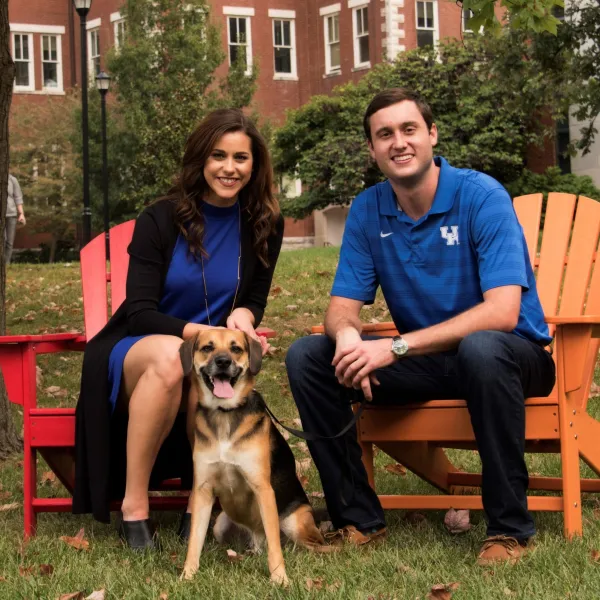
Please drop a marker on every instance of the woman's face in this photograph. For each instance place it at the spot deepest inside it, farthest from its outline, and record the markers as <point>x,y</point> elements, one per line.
<point>228,168</point>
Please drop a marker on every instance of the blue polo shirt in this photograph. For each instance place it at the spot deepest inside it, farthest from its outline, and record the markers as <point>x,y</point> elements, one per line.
<point>432,269</point>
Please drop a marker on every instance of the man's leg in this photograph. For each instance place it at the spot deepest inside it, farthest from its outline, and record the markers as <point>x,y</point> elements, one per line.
<point>324,409</point>
<point>10,228</point>
<point>496,372</point>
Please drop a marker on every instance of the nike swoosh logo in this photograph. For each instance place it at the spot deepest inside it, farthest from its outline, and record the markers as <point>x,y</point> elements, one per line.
<point>384,235</point>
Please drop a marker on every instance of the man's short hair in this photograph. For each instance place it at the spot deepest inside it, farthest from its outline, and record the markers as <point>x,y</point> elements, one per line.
<point>393,96</point>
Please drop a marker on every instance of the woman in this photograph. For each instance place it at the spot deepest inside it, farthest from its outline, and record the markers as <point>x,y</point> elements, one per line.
<point>202,256</point>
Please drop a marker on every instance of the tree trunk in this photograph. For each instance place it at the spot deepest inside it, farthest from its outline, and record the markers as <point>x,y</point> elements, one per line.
<point>9,440</point>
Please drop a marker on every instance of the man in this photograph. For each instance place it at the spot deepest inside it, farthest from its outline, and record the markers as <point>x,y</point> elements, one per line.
<point>447,250</point>
<point>14,213</point>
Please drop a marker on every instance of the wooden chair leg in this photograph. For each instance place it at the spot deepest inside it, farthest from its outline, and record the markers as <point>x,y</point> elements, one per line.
<point>29,490</point>
<point>367,458</point>
<point>569,454</point>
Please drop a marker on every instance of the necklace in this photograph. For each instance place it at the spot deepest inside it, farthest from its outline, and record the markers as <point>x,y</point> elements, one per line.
<point>239,261</point>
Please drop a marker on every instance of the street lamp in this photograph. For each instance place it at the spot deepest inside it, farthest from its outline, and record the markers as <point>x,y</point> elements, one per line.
<point>83,7</point>
<point>102,84</point>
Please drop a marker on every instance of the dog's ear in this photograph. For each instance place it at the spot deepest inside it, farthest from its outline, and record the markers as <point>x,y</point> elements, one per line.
<point>254,355</point>
<point>186,353</point>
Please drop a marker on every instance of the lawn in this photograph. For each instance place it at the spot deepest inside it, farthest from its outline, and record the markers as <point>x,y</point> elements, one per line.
<point>418,554</point>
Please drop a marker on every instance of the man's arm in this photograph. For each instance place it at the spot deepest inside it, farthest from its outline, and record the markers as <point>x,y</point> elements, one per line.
<point>499,311</point>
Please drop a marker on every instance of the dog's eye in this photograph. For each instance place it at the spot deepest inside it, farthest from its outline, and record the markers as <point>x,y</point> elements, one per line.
<point>207,348</point>
<point>237,349</point>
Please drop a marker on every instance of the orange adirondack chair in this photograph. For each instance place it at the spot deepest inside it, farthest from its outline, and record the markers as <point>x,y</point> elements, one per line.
<point>569,288</point>
<point>51,431</point>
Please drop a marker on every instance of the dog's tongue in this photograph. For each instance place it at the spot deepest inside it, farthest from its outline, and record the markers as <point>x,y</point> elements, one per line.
<point>222,388</point>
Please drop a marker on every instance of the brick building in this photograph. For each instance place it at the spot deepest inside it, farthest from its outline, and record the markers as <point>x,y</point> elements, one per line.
<point>305,47</point>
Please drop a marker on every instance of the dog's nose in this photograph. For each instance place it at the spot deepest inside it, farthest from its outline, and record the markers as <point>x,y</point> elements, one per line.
<point>223,361</point>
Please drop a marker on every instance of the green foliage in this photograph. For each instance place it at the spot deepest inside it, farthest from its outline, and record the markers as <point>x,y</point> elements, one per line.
<point>487,95</point>
<point>43,159</point>
<point>523,15</point>
<point>164,83</point>
<point>553,180</point>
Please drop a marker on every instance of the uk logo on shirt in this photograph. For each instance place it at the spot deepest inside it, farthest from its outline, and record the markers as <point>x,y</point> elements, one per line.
<point>451,236</point>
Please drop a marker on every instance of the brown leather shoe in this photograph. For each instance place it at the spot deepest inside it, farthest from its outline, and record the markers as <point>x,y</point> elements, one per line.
<point>501,548</point>
<point>350,535</point>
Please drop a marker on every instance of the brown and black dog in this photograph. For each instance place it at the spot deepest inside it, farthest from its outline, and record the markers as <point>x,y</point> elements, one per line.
<point>239,455</point>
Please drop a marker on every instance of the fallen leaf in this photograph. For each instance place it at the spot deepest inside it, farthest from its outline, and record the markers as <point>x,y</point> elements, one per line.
<point>233,556</point>
<point>595,554</point>
<point>72,596</point>
<point>323,273</point>
<point>402,568</point>
<point>5,495</point>
<point>333,586</point>
<point>303,447</point>
<point>46,569</point>
<point>457,521</point>
<point>508,592</point>
<point>397,468</point>
<point>39,376</point>
<point>317,495</point>
<point>303,480</point>
<point>594,390</point>
<point>48,477</point>
<point>314,584</point>
<point>163,596</point>
<point>11,506</point>
<point>442,591</point>
<point>291,307</point>
<point>52,389</point>
<point>297,422</point>
<point>26,571</point>
<point>78,542</point>
<point>415,518</point>
<point>2,579</point>
<point>96,595</point>
<point>276,290</point>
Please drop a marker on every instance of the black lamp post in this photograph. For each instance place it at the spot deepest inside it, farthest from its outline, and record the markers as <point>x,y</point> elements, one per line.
<point>83,7</point>
<point>103,83</point>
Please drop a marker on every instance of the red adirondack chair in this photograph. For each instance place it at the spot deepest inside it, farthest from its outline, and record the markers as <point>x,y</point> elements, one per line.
<point>51,431</point>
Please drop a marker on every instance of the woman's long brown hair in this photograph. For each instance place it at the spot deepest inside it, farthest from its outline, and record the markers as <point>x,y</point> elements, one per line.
<point>256,197</point>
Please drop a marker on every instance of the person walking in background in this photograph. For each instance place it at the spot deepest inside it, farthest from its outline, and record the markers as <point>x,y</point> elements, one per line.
<point>14,214</point>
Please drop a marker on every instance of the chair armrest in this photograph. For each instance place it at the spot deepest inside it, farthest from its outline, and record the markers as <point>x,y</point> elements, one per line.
<point>45,337</point>
<point>388,328</point>
<point>580,320</point>
<point>266,332</point>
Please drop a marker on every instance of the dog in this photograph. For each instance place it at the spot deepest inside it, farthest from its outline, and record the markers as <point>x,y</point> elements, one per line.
<point>239,455</point>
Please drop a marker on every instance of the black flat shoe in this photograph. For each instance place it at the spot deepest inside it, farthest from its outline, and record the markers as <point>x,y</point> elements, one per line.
<point>138,535</point>
<point>185,526</point>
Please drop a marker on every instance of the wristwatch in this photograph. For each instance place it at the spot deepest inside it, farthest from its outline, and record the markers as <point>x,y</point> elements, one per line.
<point>399,346</point>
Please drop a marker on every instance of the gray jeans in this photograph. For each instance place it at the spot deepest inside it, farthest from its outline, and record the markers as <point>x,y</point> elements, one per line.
<point>10,227</point>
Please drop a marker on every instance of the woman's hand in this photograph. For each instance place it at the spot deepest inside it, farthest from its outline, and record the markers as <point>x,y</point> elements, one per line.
<point>243,319</point>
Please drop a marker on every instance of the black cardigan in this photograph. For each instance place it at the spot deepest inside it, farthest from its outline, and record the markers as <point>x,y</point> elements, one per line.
<point>98,439</point>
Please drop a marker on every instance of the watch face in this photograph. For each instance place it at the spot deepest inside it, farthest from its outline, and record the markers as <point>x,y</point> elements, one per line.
<point>399,346</point>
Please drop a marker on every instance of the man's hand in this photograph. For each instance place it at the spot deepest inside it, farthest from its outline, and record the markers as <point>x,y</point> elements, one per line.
<point>242,319</point>
<point>355,360</point>
<point>21,219</point>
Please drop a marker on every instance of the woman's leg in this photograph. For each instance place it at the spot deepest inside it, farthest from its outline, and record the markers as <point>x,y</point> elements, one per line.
<point>10,227</point>
<point>151,392</point>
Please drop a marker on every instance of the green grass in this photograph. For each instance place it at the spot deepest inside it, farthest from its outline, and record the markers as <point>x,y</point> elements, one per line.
<point>414,558</point>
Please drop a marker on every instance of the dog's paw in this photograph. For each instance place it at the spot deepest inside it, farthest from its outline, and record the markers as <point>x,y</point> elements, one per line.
<point>279,577</point>
<point>188,573</point>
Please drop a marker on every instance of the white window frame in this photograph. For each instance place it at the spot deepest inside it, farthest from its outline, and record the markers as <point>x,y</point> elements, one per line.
<point>330,12</point>
<point>58,89</point>
<point>117,21</point>
<point>91,70</point>
<point>290,16</point>
<point>436,21</point>
<point>30,68</point>
<point>246,16</point>
<point>357,6</point>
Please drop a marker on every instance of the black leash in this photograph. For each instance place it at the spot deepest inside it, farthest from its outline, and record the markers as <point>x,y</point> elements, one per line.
<point>311,437</point>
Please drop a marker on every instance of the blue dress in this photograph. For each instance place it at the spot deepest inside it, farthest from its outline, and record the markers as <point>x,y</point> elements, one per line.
<point>183,295</point>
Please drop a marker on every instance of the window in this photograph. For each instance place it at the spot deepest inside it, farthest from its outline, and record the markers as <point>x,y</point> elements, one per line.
<point>426,24</point>
<point>23,59</point>
<point>360,30</point>
<point>466,15</point>
<point>563,140</point>
<point>51,63</point>
<point>240,40</point>
<point>94,52</point>
<point>332,43</point>
<point>284,47</point>
<point>120,29</point>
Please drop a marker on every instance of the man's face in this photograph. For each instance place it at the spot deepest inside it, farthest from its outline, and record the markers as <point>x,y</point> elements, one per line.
<point>401,144</point>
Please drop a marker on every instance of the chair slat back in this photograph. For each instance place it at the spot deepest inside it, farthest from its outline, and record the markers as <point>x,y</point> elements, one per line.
<point>529,213</point>
<point>120,236</point>
<point>584,242</point>
<point>555,241</point>
<point>95,277</point>
<point>93,284</point>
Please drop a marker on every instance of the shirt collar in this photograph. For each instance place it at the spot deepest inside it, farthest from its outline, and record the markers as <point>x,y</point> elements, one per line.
<point>444,194</point>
